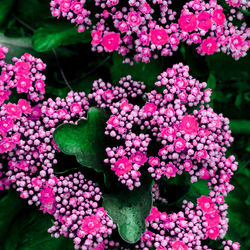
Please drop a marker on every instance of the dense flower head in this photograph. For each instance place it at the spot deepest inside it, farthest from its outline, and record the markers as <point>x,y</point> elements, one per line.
<point>165,132</point>
<point>140,30</point>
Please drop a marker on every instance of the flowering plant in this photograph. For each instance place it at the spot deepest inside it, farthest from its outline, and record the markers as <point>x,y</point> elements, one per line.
<point>96,154</point>
<point>129,136</point>
<point>140,29</point>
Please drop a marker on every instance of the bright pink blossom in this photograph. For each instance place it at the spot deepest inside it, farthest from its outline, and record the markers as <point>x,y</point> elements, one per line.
<point>179,245</point>
<point>204,20</point>
<point>209,45</point>
<point>91,224</point>
<point>189,125</point>
<point>159,36</point>
<point>122,166</point>
<point>188,22</point>
<point>111,41</point>
<point>206,204</point>
<point>138,158</point>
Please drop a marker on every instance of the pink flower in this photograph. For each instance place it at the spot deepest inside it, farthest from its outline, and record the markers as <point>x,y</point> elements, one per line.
<point>147,236</point>
<point>35,113</point>
<point>39,86</point>
<point>218,16</point>
<point>96,37</point>
<point>189,125</point>
<point>62,113</point>
<point>159,36</point>
<point>188,165</point>
<point>123,26</point>
<point>22,69</point>
<point>6,124</point>
<point>213,232</point>
<point>138,158</point>
<point>122,166</point>
<point>24,106</point>
<point>204,20</point>
<point>65,5</point>
<point>23,85</point>
<point>13,110</point>
<point>111,41</point>
<point>154,161</point>
<point>134,18</point>
<point>91,224</point>
<point>206,204</point>
<point>236,42</point>
<point>6,145</point>
<point>202,154</point>
<point>145,8</point>
<point>204,174</point>
<point>150,108</point>
<point>203,133</point>
<point>188,22</point>
<point>234,3</point>
<point>169,131</point>
<point>179,245</point>
<point>154,214</point>
<point>5,77</point>
<point>169,112</point>
<point>213,218</point>
<point>181,83</point>
<point>219,199</point>
<point>36,182</point>
<point>75,108</point>
<point>209,45</point>
<point>47,196</point>
<point>76,6</point>
<point>125,106</point>
<point>179,145</point>
<point>170,170</point>
<point>114,121</point>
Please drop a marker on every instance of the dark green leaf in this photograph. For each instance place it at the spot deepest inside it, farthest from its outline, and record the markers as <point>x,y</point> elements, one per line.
<point>129,210</point>
<point>84,140</point>
<point>17,46</point>
<point>55,34</point>
<point>5,9</point>
<point>29,231</point>
<point>10,205</point>
<point>146,73</point>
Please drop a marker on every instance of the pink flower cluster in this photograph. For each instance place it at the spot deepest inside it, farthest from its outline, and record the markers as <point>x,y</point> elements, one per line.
<point>187,229</point>
<point>183,142</point>
<point>140,29</point>
<point>155,131</point>
<point>72,10</point>
<point>242,4</point>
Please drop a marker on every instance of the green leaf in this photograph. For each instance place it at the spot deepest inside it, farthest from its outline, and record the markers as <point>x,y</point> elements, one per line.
<point>226,68</point>
<point>5,9</point>
<point>29,231</point>
<point>240,126</point>
<point>32,12</point>
<point>238,214</point>
<point>129,210</point>
<point>86,140</point>
<point>17,46</point>
<point>10,205</point>
<point>54,34</point>
<point>146,73</point>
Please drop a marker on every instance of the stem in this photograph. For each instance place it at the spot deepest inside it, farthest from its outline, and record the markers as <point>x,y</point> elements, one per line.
<point>61,70</point>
